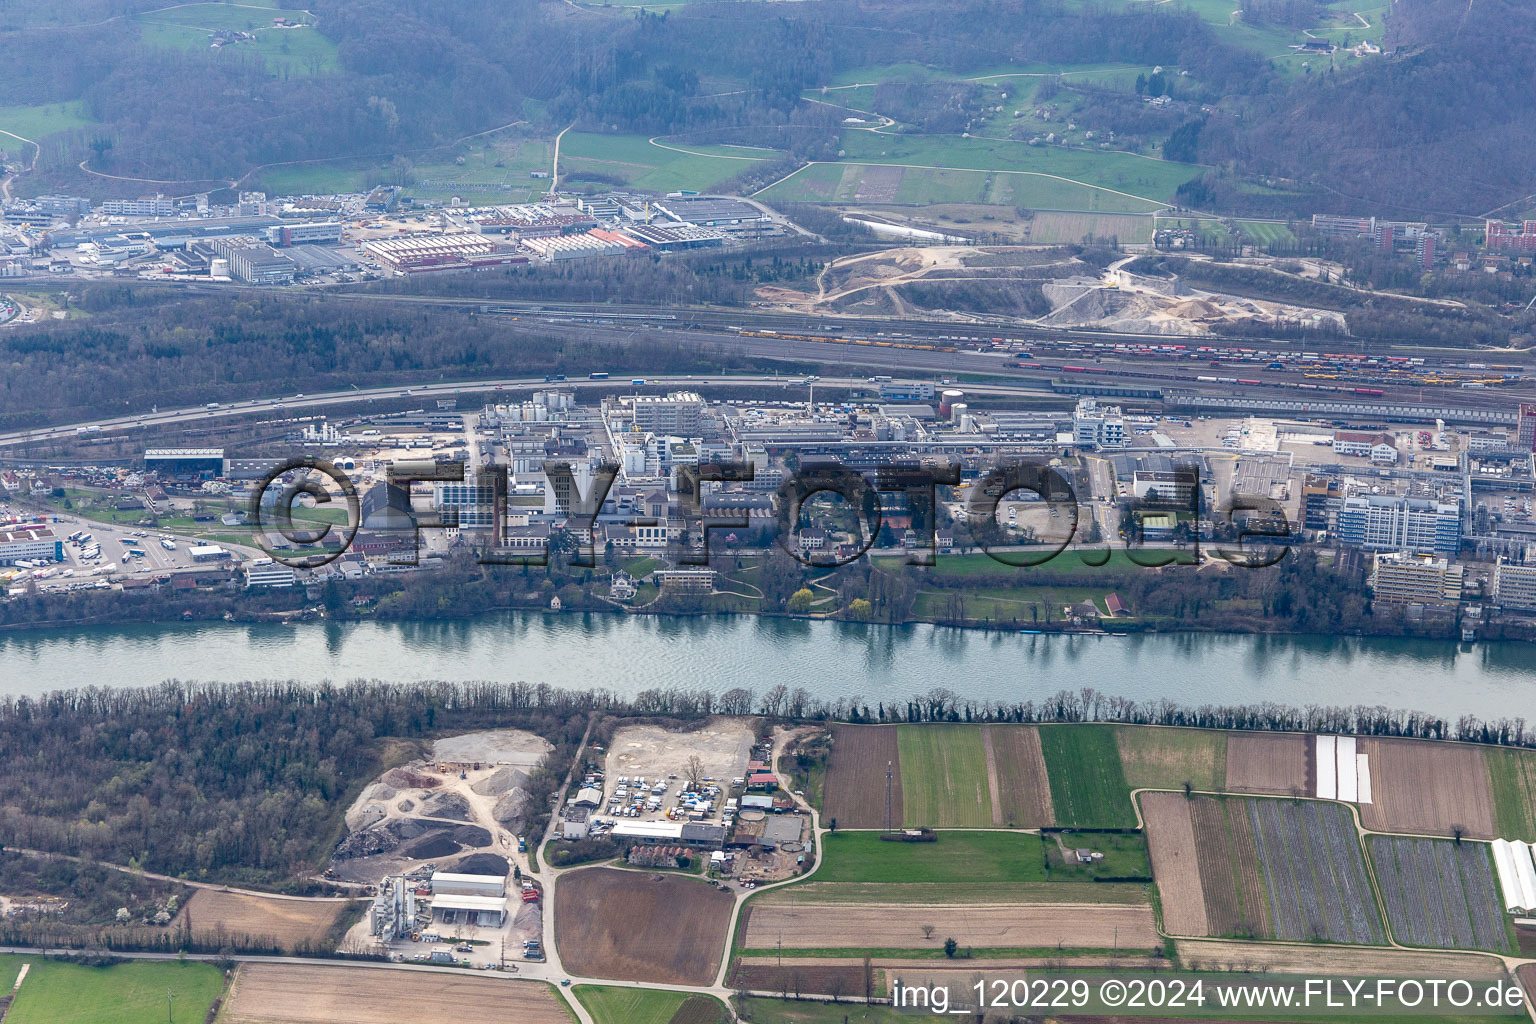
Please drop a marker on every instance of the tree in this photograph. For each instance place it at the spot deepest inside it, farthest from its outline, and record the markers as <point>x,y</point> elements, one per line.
<point>950,946</point>
<point>859,609</point>
<point>695,772</point>
<point>800,601</point>
<point>927,930</point>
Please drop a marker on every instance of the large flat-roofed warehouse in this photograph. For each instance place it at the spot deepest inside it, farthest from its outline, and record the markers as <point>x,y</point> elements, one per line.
<point>184,461</point>
<point>448,883</point>
<point>711,211</point>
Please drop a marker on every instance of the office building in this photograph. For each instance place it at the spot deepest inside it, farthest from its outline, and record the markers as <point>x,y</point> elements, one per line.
<point>1389,523</point>
<point>472,504</point>
<point>1402,578</point>
<point>677,414</point>
<point>1097,426</point>
<point>309,233</point>
<point>1514,586</point>
<point>149,206</point>
<point>29,542</point>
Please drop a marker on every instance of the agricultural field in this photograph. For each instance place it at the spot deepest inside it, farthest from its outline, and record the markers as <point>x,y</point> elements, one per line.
<point>300,50</point>
<point>1275,763</point>
<point>1175,865</point>
<point>915,926</point>
<point>660,165</point>
<point>1158,758</point>
<point>1058,890</point>
<point>1428,787</point>
<point>1236,903</point>
<point>1088,787</point>
<point>1279,958</point>
<point>36,122</point>
<point>945,780</point>
<point>286,924</point>
<point>1016,765</point>
<point>1512,782</point>
<point>1314,871</point>
<point>125,993</point>
<point>610,1004</point>
<point>1051,228</point>
<point>1440,894</point>
<point>305,994</point>
<point>954,857</point>
<point>855,786</point>
<point>870,182</point>
<point>768,974</point>
<point>1153,181</point>
<point>636,926</point>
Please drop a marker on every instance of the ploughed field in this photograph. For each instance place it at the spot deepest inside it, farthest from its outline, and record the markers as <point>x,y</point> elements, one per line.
<point>268,921</point>
<point>828,926</point>
<point>303,994</point>
<point>1279,869</point>
<point>638,926</point>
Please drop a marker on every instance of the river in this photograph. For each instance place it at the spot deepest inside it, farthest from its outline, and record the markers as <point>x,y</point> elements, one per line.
<point>626,654</point>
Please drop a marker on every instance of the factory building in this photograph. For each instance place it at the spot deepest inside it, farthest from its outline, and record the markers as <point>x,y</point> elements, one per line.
<point>1176,486</point>
<point>254,263</point>
<point>185,462</point>
<point>28,542</point>
<point>312,232</point>
<point>1097,426</point>
<point>1402,578</point>
<point>469,899</point>
<point>1514,586</point>
<point>1387,523</point>
<point>677,414</point>
<point>149,206</point>
<point>471,505</point>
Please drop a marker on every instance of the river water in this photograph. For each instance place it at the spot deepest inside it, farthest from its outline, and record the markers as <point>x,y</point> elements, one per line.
<point>626,654</point>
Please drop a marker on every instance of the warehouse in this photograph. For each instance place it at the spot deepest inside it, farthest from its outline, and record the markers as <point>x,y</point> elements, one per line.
<point>21,542</point>
<point>712,211</point>
<point>669,238</point>
<point>185,462</point>
<point>448,883</point>
<point>300,234</point>
<point>670,833</point>
<point>486,911</point>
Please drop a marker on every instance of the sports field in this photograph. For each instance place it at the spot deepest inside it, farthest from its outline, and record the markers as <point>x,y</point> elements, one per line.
<point>1088,787</point>
<point>126,993</point>
<point>661,166</point>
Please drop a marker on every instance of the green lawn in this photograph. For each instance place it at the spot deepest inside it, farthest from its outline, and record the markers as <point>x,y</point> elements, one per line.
<point>956,857</point>
<point>610,1004</point>
<point>943,777</point>
<point>1512,776</point>
<point>1088,787</point>
<point>1161,758</point>
<point>1264,233</point>
<point>127,993</point>
<point>1067,563</point>
<point>635,160</point>
<point>35,122</point>
<point>1125,856</point>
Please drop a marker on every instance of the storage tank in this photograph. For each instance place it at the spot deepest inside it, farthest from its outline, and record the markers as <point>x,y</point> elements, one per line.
<point>947,400</point>
<point>218,267</point>
<point>957,411</point>
<point>967,421</point>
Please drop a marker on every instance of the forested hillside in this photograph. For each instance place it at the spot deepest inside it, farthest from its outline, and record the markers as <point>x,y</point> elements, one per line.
<point>1438,129</point>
